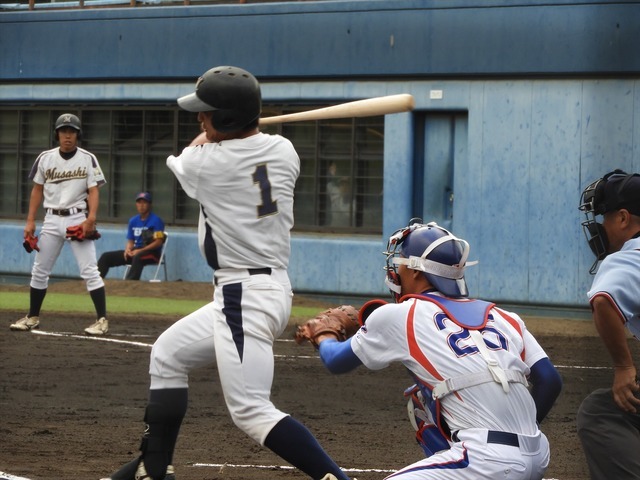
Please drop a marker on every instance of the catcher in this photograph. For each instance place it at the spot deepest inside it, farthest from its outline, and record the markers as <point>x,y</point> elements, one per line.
<point>145,236</point>
<point>66,180</point>
<point>482,381</point>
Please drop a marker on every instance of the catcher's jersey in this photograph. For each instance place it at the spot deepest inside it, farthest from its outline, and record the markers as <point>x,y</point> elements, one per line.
<point>418,334</point>
<point>66,181</point>
<point>245,190</point>
<point>618,278</point>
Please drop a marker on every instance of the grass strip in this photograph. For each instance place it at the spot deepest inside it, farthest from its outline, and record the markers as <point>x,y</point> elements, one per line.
<point>64,302</point>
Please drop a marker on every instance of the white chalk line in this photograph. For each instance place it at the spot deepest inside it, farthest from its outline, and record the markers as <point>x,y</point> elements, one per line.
<point>8,476</point>
<point>90,338</point>
<point>286,357</point>
<point>222,466</point>
<point>139,344</point>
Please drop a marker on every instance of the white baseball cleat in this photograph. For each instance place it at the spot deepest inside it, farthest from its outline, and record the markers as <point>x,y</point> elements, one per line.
<point>101,327</point>
<point>329,476</point>
<point>25,324</point>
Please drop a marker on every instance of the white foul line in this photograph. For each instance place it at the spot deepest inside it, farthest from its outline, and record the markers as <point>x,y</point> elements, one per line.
<point>222,466</point>
<point>286,357</point>
<point>95,339</point>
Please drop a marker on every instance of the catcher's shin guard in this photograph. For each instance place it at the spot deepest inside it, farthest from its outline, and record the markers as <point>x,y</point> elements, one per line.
<point>158,441</point>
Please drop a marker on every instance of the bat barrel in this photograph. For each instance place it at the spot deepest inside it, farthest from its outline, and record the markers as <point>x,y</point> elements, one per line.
<point>368,107</point>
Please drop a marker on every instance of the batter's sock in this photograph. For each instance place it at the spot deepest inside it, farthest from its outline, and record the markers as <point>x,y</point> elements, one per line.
<point>36,297</point>
<point>293,442</point>
<point>173,403</point>
<point>99,299</point>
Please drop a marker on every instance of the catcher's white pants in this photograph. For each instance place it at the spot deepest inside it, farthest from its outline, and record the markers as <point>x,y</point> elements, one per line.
<point>236,331</point>
<point>472,458</point>
<point>51,240</point>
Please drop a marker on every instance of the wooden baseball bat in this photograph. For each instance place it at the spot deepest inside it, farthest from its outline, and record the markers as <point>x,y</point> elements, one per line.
<point>368,107</point>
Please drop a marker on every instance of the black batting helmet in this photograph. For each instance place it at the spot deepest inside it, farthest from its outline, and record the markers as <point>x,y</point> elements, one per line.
<point>68,120</point>
<point>231,93</point>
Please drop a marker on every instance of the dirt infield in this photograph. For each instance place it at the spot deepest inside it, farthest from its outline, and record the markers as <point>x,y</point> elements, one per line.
<point>71,406</point>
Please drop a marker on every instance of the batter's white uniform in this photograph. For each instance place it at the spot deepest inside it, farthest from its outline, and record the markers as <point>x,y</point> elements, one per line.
<point>65,184</point>
<point>245,190</point>
<point>418,334</point>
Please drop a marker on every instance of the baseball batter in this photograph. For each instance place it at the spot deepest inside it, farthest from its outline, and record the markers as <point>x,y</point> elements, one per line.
<point>244,181</point>
<point>66,180</point>
<point>609,418</point>
<point>472,363</point>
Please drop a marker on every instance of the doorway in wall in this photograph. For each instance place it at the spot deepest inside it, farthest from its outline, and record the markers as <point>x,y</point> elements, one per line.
<point>440,145</point>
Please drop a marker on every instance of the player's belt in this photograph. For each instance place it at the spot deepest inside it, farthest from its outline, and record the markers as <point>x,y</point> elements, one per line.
<point>231,274</point>
<point>64,212</point>
<point>259,271</point>
<point>501,438</point>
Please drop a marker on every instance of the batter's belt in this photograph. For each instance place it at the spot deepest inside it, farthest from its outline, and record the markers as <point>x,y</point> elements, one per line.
<point>224,275</point>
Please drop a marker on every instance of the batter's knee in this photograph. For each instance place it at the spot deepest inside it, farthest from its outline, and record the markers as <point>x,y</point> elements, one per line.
<point>257,421</point>
<point>165,369</point>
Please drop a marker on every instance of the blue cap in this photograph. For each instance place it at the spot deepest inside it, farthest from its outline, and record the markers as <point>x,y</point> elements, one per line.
<point>144,196</point>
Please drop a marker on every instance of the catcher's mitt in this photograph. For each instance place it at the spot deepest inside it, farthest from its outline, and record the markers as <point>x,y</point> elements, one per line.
<point>30,244</point>
<point>75,233</point>
<point>342,322</point>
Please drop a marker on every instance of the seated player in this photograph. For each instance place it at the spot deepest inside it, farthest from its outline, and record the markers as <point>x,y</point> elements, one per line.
<point>145,236</point>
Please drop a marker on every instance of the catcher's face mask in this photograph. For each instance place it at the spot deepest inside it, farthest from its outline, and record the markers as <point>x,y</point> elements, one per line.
<point>392,279</point>
<point>591,205</point>
<point>604,195</point>
<point>431,249</point>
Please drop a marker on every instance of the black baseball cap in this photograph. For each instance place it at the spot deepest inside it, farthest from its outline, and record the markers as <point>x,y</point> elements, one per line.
<point>619,190</point>
<point>144,196</point>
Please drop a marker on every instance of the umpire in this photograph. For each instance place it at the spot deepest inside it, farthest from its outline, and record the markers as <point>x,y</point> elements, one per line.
<point>609,418</point>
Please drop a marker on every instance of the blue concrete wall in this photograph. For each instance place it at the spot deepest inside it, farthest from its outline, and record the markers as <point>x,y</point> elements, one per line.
<point>309,259</point>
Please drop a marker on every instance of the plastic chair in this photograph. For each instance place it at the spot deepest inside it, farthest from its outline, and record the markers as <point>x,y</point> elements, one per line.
<point>162,263</point>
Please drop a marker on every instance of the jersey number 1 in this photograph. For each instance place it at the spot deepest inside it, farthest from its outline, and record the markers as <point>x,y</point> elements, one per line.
<point>268,206</point>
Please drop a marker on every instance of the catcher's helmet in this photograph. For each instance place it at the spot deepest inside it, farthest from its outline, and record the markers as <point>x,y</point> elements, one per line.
<point>614,191</point>
<point>231,93</point>
<point>68,120</point>
<point>433,250</point>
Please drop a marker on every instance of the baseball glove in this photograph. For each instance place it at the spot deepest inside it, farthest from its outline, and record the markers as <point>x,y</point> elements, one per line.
<point>75,233</point>
<point>30,244</point>
<point>341,322</point>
